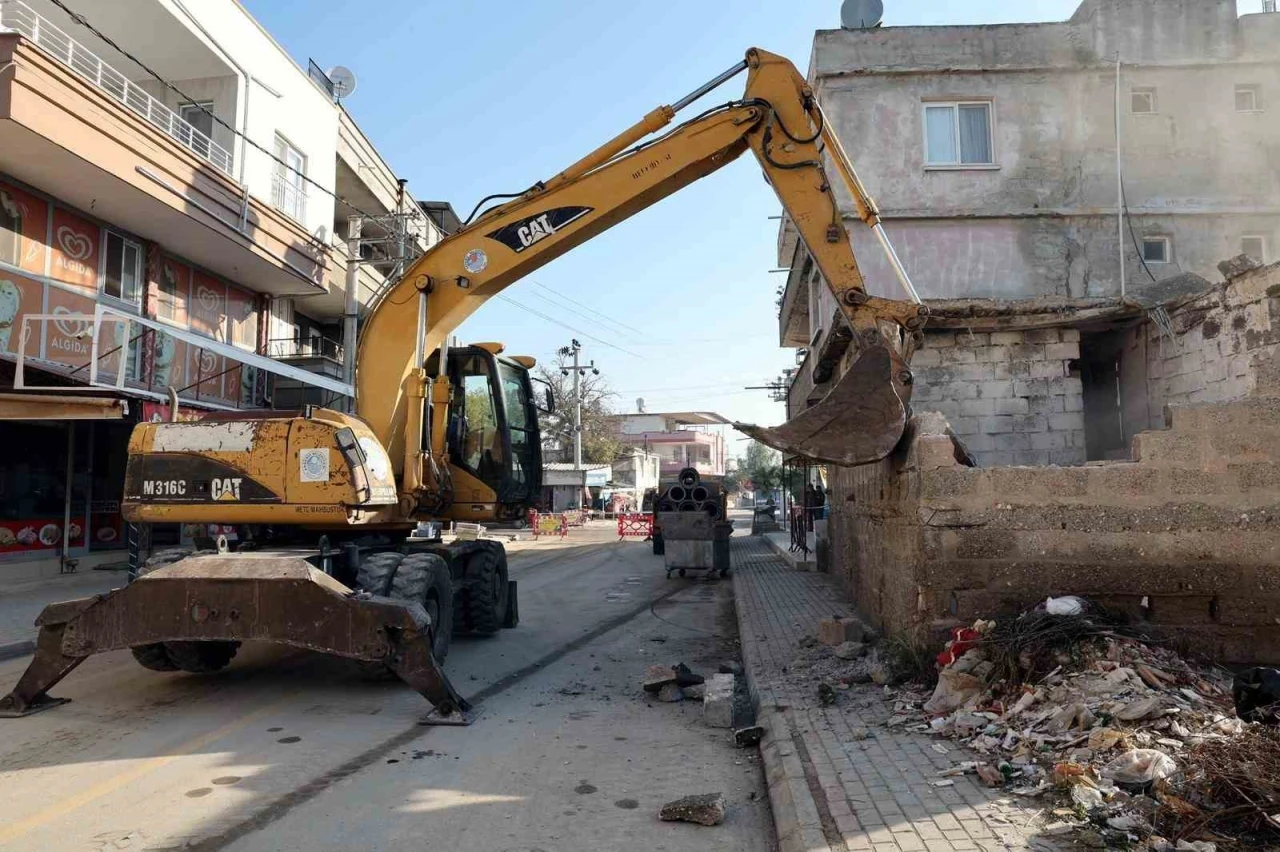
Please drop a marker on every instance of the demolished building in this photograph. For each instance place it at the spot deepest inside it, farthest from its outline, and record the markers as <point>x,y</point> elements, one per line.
<point>1087,424</point>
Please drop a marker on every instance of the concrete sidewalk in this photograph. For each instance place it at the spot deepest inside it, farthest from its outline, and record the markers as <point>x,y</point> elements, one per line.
<point>20,603</point>
<point>838,780</point>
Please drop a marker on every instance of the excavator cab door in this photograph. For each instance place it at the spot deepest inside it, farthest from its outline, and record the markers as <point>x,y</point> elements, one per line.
<point>493,425</point>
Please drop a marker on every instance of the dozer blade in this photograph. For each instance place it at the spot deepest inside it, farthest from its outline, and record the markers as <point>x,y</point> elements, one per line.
<point>237,598</point>
<point>860,421</point>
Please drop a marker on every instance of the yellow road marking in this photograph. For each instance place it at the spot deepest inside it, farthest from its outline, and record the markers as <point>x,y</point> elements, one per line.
<point>110,785</point>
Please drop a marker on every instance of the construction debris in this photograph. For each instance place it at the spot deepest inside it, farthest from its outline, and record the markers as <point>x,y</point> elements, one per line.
<point>670,694</point>
<point>656,677</point>
<point>747,737</point>
<point>704,810</point>
<point>1066,701</point>
<point>717,703</point>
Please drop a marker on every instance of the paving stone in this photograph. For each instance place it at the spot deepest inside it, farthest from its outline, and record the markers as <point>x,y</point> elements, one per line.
<point>880,781</point>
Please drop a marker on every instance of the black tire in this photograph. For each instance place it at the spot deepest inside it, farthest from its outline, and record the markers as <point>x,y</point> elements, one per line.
<point>201,657</point>
<point>155,656</point>
<point>376,573</point>
<point>485,589</point>
<point>424,578</point>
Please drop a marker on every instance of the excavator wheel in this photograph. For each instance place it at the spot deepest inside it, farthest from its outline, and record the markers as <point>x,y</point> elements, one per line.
<point>421,578</point>
<point>424,578</point>
<point>156,656</point>
<point>191,657</point>
<point>485,589</point>
<point>375,573</point>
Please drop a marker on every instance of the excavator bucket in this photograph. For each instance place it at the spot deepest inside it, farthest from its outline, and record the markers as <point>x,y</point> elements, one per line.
<point>860,421</point>
<point>236,598</point>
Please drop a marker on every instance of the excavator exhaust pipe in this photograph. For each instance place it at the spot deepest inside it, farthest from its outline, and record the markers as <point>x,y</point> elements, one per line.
<point>859,421</point>
<point>236,598</point>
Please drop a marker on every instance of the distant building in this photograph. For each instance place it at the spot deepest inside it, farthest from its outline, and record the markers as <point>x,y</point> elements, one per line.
<point>680,439</point>
<point>635,472</point>
<point>567,487</point>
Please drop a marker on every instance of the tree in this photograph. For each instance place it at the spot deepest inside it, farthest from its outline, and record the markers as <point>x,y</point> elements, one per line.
<point>762,468</point>
<point>600,441</point>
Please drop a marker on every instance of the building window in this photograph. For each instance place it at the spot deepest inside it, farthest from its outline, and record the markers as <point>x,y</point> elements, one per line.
<point>122,272</point>
<point>199,116</point>
<point>1157,250</point>
<point>10,230</point>
<point>1247,99</point>
<point>288,188</point>
<point>1143,102</point>
<point>958,134</point>
<point>1255,247</point>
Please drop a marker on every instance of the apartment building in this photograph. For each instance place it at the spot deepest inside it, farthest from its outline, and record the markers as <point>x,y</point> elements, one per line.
<point>680,439</point>
<point>997,155</point>
<point>168,219</point>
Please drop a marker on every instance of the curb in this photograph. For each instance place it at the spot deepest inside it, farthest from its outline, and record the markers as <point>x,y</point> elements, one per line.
<point>17,649</point>
<point>791,558</point>
<point>795,813</point>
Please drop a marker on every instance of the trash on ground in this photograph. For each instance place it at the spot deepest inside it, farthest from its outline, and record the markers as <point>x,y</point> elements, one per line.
<point>706,809</point>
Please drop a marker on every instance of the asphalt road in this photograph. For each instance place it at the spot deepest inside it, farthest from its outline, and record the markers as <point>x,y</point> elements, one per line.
<point>289,750</point>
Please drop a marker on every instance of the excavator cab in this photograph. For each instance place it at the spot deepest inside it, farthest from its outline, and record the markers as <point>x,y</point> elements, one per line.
<point>495,448</point>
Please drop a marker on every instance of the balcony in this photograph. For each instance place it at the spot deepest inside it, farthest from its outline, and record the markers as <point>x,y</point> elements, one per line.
<point>21,18</point>
<point>289,195</point>
<point>72,128</point>
<point>296,348</point>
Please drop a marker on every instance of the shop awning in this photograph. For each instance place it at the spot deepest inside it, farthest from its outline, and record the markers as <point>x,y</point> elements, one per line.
<point>21,406</point>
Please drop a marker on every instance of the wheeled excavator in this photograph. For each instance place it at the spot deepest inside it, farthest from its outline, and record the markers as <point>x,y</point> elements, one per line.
<point>326,503</point>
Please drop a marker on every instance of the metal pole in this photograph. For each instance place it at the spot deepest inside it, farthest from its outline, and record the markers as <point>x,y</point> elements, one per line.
<point>577,410</point>
<point>351,306</point>
<point>1119,184</point>
<point>66,506</point>
<point>715,82</point>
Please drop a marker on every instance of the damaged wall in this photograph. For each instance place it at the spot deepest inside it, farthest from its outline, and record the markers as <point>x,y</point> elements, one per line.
<point>1186,536</point>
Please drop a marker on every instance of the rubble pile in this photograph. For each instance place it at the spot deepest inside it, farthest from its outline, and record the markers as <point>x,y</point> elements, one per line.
<point>1128,744</point>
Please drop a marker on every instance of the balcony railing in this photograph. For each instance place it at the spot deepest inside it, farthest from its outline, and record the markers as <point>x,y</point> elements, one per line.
<point>305,347</point>
<point>19,17</point>
<point>288,196</point>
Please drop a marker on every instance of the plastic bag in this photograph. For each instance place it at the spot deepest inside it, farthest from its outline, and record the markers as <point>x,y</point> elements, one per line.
<point>1140,767</point>
<point>1065,606</point>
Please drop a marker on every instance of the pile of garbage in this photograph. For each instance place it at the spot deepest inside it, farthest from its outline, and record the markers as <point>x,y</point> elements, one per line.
<point>1129,744</point>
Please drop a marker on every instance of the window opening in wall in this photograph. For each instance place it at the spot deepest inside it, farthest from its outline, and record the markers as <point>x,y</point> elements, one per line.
<point>958,134</point>
<point>1247,99</point>
<point>1255,247</point>
<point>1157,249</point>
<point>122,272</point>
<point>10,230</point>
<point>288,190</point>
<point>1143,102</point>
<point>200,116</point>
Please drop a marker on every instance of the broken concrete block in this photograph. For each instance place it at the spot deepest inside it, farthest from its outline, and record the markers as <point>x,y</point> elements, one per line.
<point>732,667</point>
<point>670,694</point>
<point>656,677</point>
<point>703,810</point>
<point>747,737</point>
<point>685,676</point>
<point>849,650</point>
<point>837,631</point>
<point>717,701</point>
<point>1237,266</point>
<point>694,692</point>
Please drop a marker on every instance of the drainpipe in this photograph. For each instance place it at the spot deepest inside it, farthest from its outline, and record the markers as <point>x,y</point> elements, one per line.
<point>1119,183</point>
<point>350,312</point>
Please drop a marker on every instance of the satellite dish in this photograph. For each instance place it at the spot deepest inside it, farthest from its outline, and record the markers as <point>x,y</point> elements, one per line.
<point>344,81</point>
<point>640,405</point>
<point>861,14</point>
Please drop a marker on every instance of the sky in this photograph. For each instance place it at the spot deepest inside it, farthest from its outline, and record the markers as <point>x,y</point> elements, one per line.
<point>470,98</point>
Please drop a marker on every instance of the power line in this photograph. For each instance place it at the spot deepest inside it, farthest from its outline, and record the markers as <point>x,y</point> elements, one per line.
<point>84,22</point>
<point>589,310</point>
<point>540,314</point>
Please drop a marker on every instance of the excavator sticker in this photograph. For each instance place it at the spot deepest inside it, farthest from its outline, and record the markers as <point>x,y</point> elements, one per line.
<point>531,230</point>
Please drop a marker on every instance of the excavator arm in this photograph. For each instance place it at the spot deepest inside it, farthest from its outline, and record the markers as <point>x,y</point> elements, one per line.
<point>780,121</point>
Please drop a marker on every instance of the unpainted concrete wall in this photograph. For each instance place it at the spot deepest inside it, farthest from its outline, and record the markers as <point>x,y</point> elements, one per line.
<point>1042,222</point>
<point>1007,394</point>
<point>1185,537</point>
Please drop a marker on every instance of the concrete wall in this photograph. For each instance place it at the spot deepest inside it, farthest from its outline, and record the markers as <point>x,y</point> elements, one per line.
<point>1042,220</point>
<point>1009,395</point>
<point>1185,537</point>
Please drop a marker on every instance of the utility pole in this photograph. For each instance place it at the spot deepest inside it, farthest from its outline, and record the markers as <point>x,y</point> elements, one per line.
<point>579,371</point>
